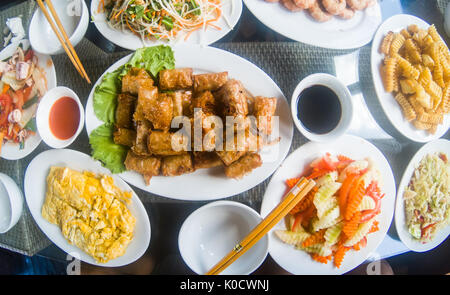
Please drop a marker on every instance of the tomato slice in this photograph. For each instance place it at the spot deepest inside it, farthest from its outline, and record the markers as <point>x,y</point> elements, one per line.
<point>5,108</point>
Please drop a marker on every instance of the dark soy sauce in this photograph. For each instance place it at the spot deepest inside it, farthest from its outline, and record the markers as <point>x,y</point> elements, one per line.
<point>319,109</point>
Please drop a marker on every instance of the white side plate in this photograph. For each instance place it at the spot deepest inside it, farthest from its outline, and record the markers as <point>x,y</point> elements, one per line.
<point>439,145</point>
<point>299,262</point>
<point>35,184</point>
<point>212,184</point>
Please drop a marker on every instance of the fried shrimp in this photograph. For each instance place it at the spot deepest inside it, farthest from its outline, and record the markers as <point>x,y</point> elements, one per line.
<point>357,4</point>
<point>334,7</point>
<point>346,13</point>
<point>318,13</point>
<point>304,4</point>
<point>290,5</point>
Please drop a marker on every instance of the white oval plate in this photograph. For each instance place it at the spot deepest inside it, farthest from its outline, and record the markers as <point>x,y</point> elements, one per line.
<point>212,184</point>
<point>439,145</point>
<point>299,262</point>
<point>10,150</point>
<point>35,184</point>
<point>300,26</point>
<point>390,106</point>
<point>128,40</point>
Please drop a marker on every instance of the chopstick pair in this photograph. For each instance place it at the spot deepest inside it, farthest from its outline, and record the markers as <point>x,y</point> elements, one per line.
<point>64,39</point>
<point>295,195</point>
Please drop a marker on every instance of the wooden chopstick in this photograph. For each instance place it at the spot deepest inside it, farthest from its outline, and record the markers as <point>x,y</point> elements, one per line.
<point>68,48</point>
<point>295,195</point>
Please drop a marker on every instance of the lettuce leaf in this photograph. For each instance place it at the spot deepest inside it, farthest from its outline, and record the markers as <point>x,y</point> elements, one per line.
<point>105,150</point>
<point>153,59</point>
<point>105,96</point>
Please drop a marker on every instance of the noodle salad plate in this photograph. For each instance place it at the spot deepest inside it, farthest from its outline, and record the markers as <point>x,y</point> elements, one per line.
<point>432,148</point>
<point>343,219</point>
<point>184,180</point>
<point>133,24</point>
<point>332,32</point>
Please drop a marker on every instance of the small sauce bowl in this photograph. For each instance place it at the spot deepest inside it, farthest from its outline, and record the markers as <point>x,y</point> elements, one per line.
<point>43,117</point>
<point>212,231</point>
<point>345,100</point>
<point>11,203</point>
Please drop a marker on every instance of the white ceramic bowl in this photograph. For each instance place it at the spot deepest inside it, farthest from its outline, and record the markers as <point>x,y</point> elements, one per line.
<point>43,112</point>
<point>74,16</point>
<point>212,231</point>
<point>345,99</point>
<point>11,203</point>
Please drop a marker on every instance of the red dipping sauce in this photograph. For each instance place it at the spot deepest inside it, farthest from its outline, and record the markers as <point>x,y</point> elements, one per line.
<point>64,118</point>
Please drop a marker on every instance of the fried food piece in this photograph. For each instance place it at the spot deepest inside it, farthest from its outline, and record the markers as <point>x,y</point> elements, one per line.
<point>124,136</point>
<point>229,157</point>
<point>140,145</point>
<point>146,97</point>
<point>175,79</point>
<point>209,82</point>
<point>243,166</point>
<point>135,79</point>
<point>206,160</point>
<point>205,101</point>
<point>177,165</point>
<point>407,109</point>
<point>160,111</point>
<point>264,109</point>
<point>147,166</point>
<point>181,101</point>
<point>232,99</point>
<point>386,43</point>
<point>166,143</point>
<point>125,110</point>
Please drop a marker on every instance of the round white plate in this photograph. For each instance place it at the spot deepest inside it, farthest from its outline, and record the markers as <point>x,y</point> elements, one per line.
<point>35,184</point>
<point>439,145</point>
<point>128,40</point>
<point>10,150</point>
<point>390,106</point>
<point>212,184</point>
<point>300,26</point>
<point>299,262</point>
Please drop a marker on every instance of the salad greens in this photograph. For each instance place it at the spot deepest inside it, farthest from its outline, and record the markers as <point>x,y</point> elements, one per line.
<point>153,59</point>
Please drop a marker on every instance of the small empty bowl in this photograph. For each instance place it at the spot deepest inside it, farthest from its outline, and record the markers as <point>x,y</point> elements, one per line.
<point>345,101</point>
<point>74,16</point>
<point>212,231</point>
<point>11,203</point>
<point>43,117</point>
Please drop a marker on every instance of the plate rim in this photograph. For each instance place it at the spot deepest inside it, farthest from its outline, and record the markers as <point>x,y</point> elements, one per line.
<point>383,232</point>
<point>379,88</point>
<point>180,47</point>
<point>39,220</point>
<point>132,47</point>
<point>324,44</point>
<point>400,225</point>
<point>51,79</point>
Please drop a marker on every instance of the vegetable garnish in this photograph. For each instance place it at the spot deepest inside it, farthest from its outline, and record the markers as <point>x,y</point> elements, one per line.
<point>340,211</point>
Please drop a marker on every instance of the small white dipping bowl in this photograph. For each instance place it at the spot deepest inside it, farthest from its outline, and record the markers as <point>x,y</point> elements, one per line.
<point>43,113</point>
<point>212,231</point>
<point>74,16</point>
<point>11,203</point>
<point>345,99</point>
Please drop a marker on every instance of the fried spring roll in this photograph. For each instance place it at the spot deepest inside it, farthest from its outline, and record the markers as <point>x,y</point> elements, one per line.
<point>135,79</point>
<point>147,95</point>
<point>177,165</point>
<point>160,111</point>
<point>125,137</point>
<point>206,160</point>
<point>205,101</point>
<point>264,109</point>
<point>209,82</point>
<point>233,99</point>
<point>160,143</point>
<point>243,166</point>
<point>140,145</point>
<point>125,110</point>
<point>147,166</point>
<point>229,157</point>
<point>175,79</point>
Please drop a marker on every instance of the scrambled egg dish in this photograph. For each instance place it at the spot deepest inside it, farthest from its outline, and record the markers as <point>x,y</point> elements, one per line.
<point>91,212</point>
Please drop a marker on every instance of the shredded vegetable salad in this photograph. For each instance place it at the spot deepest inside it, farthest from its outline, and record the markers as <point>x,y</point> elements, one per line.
<point>338,213</point>
<point>427,197</point>
<point>162,19</point>
<point>22,85</point>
